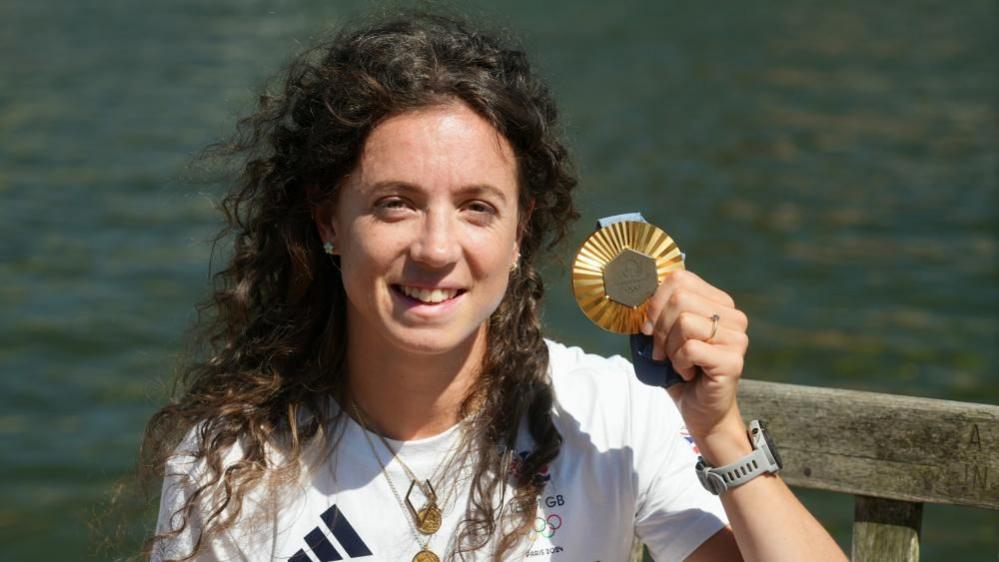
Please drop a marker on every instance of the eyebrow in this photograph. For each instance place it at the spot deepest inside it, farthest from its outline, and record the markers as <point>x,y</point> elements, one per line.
<point>485,188</point>
<point>473,189</point>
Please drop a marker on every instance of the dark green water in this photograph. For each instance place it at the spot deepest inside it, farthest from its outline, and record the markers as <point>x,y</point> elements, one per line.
<point>832,165</point>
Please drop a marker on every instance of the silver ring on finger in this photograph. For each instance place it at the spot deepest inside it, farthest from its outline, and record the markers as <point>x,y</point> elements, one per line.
<point>715,321</point>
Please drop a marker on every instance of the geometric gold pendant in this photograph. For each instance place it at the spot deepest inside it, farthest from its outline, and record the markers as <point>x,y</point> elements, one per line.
<point>617,269</point>
<point>428,518</point>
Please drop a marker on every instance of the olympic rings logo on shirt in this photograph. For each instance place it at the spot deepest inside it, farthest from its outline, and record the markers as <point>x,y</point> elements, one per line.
<point>546,527</point>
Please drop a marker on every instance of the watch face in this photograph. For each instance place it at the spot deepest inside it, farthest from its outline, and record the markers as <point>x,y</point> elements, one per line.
<point>772,447</point>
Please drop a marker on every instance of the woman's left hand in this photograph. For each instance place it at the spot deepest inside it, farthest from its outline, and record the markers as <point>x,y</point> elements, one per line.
<point>680,320</point>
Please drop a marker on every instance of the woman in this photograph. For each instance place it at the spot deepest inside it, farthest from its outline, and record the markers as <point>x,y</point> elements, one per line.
<point>377,385</point>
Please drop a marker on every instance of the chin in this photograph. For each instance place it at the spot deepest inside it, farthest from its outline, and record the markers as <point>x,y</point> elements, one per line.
<point>433,341</point>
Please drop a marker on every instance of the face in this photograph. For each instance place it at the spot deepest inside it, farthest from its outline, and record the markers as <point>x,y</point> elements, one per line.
<point>426,228</point>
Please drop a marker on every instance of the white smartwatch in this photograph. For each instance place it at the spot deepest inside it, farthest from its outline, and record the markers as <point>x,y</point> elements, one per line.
<point>763,460</point>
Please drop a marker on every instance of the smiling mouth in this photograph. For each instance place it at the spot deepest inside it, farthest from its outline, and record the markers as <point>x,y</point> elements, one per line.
<point>428,296</point>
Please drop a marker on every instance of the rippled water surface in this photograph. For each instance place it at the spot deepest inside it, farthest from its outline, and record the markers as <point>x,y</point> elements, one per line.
<point>832,165</point>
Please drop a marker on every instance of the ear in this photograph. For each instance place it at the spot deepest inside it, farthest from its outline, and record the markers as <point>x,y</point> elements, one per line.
<point>322,215</point>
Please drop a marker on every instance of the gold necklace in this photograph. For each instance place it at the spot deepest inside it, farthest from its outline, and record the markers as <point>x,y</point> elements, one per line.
<point>429,517</point>
<point>424,554</point>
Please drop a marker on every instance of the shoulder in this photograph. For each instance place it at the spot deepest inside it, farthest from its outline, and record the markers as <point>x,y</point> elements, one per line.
<point>198,493</point>
<point>189,456</point>
<point>603,396</point>
<point>188,472</point>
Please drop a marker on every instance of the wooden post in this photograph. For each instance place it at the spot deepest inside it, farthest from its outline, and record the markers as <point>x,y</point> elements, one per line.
<point>886,530</point>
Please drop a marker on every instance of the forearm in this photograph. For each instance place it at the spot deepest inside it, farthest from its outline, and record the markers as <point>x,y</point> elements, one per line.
<point>698,328</point>
<point>768,521</point>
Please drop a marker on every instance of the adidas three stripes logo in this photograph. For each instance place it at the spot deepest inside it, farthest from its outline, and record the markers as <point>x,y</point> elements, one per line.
<point>321,546</point>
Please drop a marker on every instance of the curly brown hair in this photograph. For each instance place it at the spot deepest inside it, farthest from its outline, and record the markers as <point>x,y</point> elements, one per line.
<point>272,330</point>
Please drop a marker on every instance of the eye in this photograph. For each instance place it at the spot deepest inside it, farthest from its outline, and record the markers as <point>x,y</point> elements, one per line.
<point>392,206</point>
<point>481,208</point>
<point>391,203</point>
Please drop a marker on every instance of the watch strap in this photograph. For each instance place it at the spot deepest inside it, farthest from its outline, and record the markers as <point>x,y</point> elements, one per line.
<point>738,473</point>
<point>760,461</point>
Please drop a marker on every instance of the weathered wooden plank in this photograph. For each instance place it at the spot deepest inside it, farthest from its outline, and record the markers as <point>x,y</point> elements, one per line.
<point>886,530</point>
<point>882,445</point>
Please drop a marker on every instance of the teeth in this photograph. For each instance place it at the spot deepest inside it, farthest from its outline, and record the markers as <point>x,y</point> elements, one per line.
<point>432,296</point>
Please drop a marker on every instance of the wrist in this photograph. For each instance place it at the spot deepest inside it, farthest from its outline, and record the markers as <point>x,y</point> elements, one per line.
<point>726,443</point>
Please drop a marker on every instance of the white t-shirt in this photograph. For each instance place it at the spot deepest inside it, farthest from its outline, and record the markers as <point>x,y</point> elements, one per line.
<point>626,468</point>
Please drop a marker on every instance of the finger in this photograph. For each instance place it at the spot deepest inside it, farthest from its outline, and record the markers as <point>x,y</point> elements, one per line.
<point>657,302</point>
<point>667,303</point>
<point>692,281</point>
<point>697,310</point>
<point>683,300</point>
<point>714,361</point>
<point>672,330</point>
<point>687,281</point>
<point>686,327</point>
<point>691,326</point>
<point>659,339</point>
<point>684,366</point>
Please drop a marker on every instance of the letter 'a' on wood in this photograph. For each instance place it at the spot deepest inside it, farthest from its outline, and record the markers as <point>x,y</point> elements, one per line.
<point>617,269</point>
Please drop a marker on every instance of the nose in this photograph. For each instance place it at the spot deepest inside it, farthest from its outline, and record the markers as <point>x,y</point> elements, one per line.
<point>437,244</point>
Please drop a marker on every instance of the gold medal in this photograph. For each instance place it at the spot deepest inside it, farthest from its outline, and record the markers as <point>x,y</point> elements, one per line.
<point>618,268</point>
<point>425,555</point>
<point>428,520</point>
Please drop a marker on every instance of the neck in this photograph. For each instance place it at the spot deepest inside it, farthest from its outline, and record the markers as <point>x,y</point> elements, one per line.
<point>406,395</point>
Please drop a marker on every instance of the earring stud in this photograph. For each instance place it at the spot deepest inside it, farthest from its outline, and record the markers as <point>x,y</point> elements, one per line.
<point>328,247</point>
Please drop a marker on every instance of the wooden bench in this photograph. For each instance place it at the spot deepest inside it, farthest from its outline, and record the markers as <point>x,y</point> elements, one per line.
<point>892,453</point>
